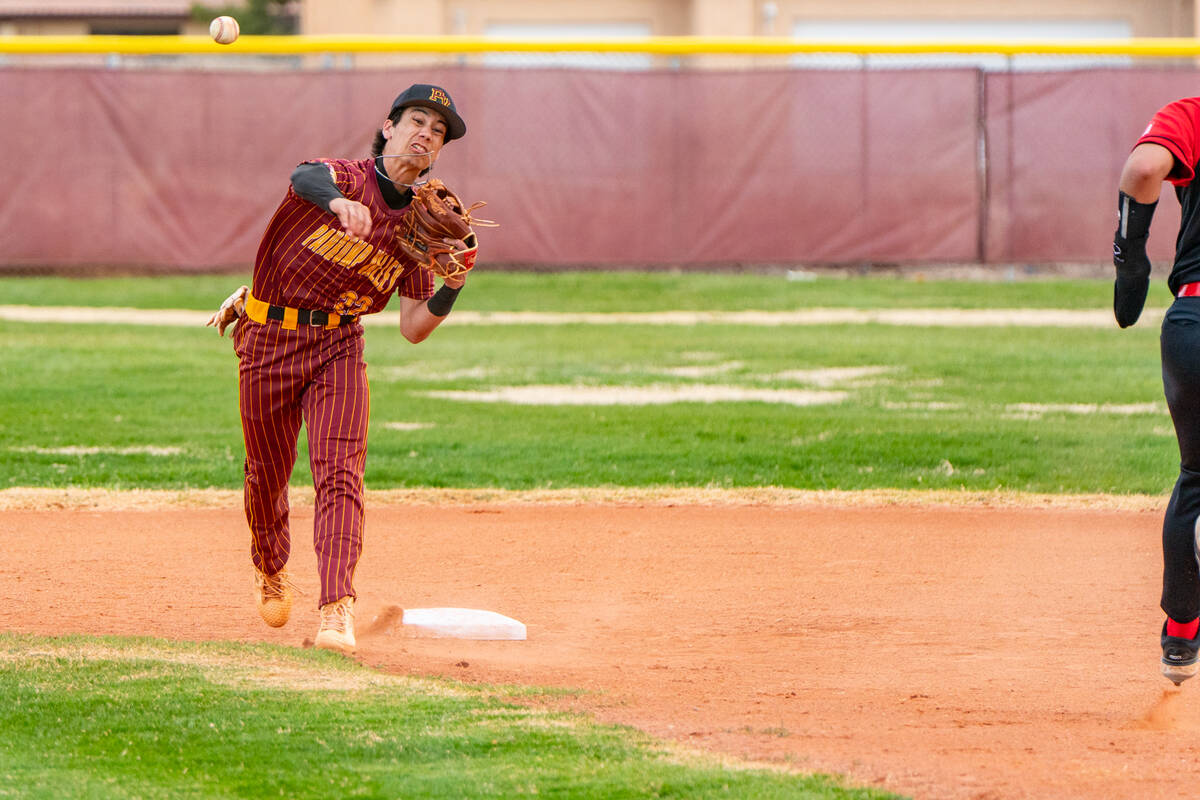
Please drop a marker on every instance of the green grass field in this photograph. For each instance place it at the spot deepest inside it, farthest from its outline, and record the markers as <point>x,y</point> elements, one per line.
<point>119,718</point>
<point>1014,408</point>
<point>1038,409</point>
<point>613,291</point>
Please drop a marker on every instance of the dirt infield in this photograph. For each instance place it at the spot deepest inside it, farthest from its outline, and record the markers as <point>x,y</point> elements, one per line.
<point>984,650</point>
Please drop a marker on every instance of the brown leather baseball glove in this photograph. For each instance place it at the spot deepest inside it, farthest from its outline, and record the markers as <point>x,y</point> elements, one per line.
<point>438,231</point>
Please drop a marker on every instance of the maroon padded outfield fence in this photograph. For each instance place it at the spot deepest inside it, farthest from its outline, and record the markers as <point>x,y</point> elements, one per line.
<point>180,170</point>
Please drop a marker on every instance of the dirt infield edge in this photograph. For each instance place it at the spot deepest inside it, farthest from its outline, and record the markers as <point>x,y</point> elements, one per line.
<point>42,499</point>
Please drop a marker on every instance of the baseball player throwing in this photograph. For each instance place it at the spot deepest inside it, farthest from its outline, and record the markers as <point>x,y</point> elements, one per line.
<point>1168,150</point>
<point>335,249</point>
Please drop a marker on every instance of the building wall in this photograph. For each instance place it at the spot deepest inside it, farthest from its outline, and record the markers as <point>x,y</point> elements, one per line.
<point>472,17</point>
<point>1145,17</point>
<point>476,18</point>
<point>81,26</point>
<point>723,17</point>
<point>375,17</point>
<point>671,17</point>
<point>44,27</point>
<point>663,17</point>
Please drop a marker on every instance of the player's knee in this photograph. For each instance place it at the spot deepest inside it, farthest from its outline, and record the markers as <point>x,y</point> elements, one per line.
<point>265,475</point>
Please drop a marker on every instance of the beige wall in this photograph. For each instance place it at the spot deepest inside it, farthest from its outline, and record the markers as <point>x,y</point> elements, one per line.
<point>471,17</point>
<point>1145,17</point>
<point>721,17</point>
<point>81,27</point>
<point>48,27</point>
<point>684,17</point>
<point>373,17</point>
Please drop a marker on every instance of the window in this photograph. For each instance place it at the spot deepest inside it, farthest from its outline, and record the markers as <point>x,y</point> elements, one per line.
<point>549,31</point>
<point>912,30</point>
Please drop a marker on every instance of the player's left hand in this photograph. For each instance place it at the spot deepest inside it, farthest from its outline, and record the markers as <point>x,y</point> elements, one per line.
<point>438,231</point>
<point>230,312</point>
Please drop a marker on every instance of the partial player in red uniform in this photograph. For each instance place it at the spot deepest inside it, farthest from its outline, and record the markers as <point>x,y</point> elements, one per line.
<point>1168,151</point>
<point>330,254</point>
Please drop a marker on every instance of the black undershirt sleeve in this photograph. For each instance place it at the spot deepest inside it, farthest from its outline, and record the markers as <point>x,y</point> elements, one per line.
<point>313,182</point>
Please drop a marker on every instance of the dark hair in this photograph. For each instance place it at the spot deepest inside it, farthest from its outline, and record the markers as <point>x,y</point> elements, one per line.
<point>377,145</point>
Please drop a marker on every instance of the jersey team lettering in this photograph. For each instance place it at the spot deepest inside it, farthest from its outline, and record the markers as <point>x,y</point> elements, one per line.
<point>334,245</point>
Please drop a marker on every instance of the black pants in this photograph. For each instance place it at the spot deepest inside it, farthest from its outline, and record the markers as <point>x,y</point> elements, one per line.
<point>1180,344</point>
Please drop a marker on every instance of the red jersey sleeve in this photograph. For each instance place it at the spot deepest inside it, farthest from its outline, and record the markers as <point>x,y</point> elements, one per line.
<point>1175,127</point>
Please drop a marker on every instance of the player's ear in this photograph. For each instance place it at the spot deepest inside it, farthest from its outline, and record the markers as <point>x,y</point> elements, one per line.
<point>386,130</point>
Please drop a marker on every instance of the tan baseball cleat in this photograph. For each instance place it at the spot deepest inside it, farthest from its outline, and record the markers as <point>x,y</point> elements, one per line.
<point>337,627</point>
<point>273,596</point>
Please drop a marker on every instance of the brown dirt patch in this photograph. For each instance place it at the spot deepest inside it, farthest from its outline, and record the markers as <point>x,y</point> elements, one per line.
<point>993,650</point>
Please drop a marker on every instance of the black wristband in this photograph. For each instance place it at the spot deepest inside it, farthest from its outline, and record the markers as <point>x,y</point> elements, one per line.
<point>442,301</point>
<point>1133,220</point>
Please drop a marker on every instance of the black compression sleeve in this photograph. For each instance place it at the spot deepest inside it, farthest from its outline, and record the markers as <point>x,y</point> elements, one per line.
<point>1133,222</point>
<point>440,304</point>
<point>313,182</point>
<point>1133,229</point>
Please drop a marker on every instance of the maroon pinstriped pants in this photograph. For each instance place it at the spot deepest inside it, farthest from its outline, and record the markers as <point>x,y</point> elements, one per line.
<point>318,376</point>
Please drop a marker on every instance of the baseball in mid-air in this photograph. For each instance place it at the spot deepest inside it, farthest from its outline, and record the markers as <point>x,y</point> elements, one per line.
<point>224,30</point>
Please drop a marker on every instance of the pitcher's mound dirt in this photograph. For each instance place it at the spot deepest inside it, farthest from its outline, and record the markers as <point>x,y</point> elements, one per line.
<point>941,652</point>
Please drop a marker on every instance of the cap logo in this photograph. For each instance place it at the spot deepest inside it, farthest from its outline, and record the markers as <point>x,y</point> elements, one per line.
<point>438,96</point>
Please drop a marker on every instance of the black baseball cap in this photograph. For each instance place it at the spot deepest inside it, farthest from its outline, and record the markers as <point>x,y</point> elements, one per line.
<point>436,98</point>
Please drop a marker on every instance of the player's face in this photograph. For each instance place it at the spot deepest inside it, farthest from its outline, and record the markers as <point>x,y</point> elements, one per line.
<point>421,132</point>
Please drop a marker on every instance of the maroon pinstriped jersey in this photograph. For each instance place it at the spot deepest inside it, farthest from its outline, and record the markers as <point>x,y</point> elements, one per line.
<point>306,260</point>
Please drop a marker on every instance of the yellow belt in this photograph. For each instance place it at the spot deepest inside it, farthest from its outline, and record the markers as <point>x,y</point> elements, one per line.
<point>290,318</point>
